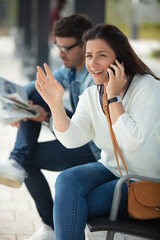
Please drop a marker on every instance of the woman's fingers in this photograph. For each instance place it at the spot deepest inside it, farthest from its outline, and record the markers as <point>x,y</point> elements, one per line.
<point>120,66</point>
<point>111,74</point>
<point>44,78</point>
<point>39,82</point>
<point>41,72</point>
<point>116,68</point>
<point>48,72</point>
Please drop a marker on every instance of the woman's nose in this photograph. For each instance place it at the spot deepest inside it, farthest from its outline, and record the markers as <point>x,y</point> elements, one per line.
<point>94,62</point>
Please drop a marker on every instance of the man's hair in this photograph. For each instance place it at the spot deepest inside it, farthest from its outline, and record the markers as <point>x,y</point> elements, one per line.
<point>72,26</point>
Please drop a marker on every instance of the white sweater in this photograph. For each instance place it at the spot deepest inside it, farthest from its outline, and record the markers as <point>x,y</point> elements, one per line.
<point>137,130</point>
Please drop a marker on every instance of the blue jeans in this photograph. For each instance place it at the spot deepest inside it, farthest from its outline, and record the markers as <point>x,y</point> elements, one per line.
<point>52,155</point>
<point>82,192</point>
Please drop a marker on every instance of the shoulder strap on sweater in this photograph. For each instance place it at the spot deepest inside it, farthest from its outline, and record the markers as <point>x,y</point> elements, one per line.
<point>113,137</point>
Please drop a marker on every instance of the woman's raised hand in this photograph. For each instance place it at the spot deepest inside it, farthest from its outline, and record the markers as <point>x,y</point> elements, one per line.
<point>52,92</point>
<point>48,87</point>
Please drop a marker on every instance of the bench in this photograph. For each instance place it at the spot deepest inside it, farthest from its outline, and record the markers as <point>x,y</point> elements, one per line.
<point>142,228</point>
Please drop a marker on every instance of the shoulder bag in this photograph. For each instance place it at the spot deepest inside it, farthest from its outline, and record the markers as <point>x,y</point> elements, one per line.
<point>143,196</point>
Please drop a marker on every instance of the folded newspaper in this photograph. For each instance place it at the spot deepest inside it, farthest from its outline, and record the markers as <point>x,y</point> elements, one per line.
<point>14,103</point>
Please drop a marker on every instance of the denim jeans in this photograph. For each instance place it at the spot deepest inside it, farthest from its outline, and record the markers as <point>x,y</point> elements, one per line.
<point>82,192</point>
<point>52,155</point>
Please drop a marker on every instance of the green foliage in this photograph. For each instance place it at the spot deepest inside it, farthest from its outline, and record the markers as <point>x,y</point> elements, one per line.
<point>149,31</point>
<point>118,12</point>
<point>10,14</point>
<point>156,54</point>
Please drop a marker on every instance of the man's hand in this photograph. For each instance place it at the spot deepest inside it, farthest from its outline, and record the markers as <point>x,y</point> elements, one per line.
<point>16,124</point>
<point>40,118</point>
<point>42,113</point>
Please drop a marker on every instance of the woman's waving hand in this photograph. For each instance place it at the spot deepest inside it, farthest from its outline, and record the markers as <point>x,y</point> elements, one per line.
<point>52,92</point>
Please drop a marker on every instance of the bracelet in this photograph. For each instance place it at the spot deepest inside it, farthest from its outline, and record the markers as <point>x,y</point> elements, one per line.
<point>115,99</point>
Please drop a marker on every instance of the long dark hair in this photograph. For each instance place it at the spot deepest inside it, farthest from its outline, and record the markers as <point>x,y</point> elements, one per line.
<point>121,46</point>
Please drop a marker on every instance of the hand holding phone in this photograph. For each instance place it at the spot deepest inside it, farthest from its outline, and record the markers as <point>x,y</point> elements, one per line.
<point>113,70</point>
<point>117,79</point>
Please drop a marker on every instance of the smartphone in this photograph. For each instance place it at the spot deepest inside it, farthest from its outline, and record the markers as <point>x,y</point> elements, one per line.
<point>112,71</point>
<point>112,68</point>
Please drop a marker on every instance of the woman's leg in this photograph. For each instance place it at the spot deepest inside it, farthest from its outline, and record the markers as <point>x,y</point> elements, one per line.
<point>71,191</point>
<point>101,206</point>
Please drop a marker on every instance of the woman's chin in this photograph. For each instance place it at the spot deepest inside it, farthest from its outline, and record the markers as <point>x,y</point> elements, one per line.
<point>99,82</point>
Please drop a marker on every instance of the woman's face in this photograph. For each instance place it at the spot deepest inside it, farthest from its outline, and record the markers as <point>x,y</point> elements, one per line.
<point>99,55</point>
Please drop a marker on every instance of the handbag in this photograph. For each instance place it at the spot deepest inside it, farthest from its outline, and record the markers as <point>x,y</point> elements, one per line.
<point>143,196</point>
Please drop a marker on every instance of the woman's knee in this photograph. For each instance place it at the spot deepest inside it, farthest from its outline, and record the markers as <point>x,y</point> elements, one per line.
<point>64,187</point>
<point>65,178</point>
<point>60,179</point>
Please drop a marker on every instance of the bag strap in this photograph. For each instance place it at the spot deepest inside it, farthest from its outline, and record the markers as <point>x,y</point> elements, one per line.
<point>113,137</point>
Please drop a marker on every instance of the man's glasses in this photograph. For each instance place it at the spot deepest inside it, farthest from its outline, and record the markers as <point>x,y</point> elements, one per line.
<point>66,49</point>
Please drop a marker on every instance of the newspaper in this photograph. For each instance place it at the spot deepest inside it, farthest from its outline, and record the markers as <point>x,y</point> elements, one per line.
<point>14,103</point>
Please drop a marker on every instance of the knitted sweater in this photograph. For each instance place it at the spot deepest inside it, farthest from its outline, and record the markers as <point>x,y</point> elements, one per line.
<point>137,130</point>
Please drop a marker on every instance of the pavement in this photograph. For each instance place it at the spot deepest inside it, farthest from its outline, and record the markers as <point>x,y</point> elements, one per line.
<point>18,215</point>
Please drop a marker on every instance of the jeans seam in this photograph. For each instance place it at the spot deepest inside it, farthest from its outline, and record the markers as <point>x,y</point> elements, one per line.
<point>74,202</point>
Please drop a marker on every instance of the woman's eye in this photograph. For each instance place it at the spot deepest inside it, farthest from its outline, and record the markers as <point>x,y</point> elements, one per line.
<point>87,56</point>
<point>102,55</point>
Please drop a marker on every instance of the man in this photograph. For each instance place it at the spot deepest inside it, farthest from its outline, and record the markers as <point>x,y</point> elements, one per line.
<point>29,156</point>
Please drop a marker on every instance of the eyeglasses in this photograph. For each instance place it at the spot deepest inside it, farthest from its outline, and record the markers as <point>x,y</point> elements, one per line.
<point>66,49</point>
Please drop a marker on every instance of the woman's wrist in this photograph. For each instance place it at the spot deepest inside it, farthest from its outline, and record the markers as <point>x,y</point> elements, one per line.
<point>111,95</point>
<point>55,107</point>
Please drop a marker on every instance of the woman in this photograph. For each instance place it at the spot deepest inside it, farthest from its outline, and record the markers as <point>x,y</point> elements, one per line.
<point>133,97</point>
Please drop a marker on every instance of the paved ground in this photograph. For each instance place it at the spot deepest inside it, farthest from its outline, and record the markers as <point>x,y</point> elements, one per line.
<point>18,215</point>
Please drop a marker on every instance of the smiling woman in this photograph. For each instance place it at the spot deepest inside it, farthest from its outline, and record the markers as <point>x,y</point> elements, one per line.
<point>132,93</point>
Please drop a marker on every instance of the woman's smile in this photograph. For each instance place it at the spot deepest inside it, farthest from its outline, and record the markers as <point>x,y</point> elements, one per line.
<point>97,73</point>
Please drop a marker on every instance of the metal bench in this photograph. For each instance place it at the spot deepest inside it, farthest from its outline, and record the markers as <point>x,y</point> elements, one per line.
<point>142,228</point>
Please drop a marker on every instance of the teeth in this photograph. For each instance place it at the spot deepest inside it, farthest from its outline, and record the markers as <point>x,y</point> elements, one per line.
<point>95,72</point>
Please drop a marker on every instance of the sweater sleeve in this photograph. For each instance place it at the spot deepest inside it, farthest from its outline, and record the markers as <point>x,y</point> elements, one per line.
<point>80,129</point>
<point>142,117</point>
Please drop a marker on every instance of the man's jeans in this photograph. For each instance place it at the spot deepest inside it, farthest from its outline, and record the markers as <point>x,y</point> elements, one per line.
<point>52,155</point>
<point>82,192</point>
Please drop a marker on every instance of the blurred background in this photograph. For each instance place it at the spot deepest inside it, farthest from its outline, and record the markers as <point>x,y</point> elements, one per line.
<point>26,27</point>
<point>26,40</point>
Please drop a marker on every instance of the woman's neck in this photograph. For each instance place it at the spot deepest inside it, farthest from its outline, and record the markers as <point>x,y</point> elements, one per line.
<point>125,86</point>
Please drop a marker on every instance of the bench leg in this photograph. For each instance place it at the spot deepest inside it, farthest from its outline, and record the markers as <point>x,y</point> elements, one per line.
<point>110,235</point>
